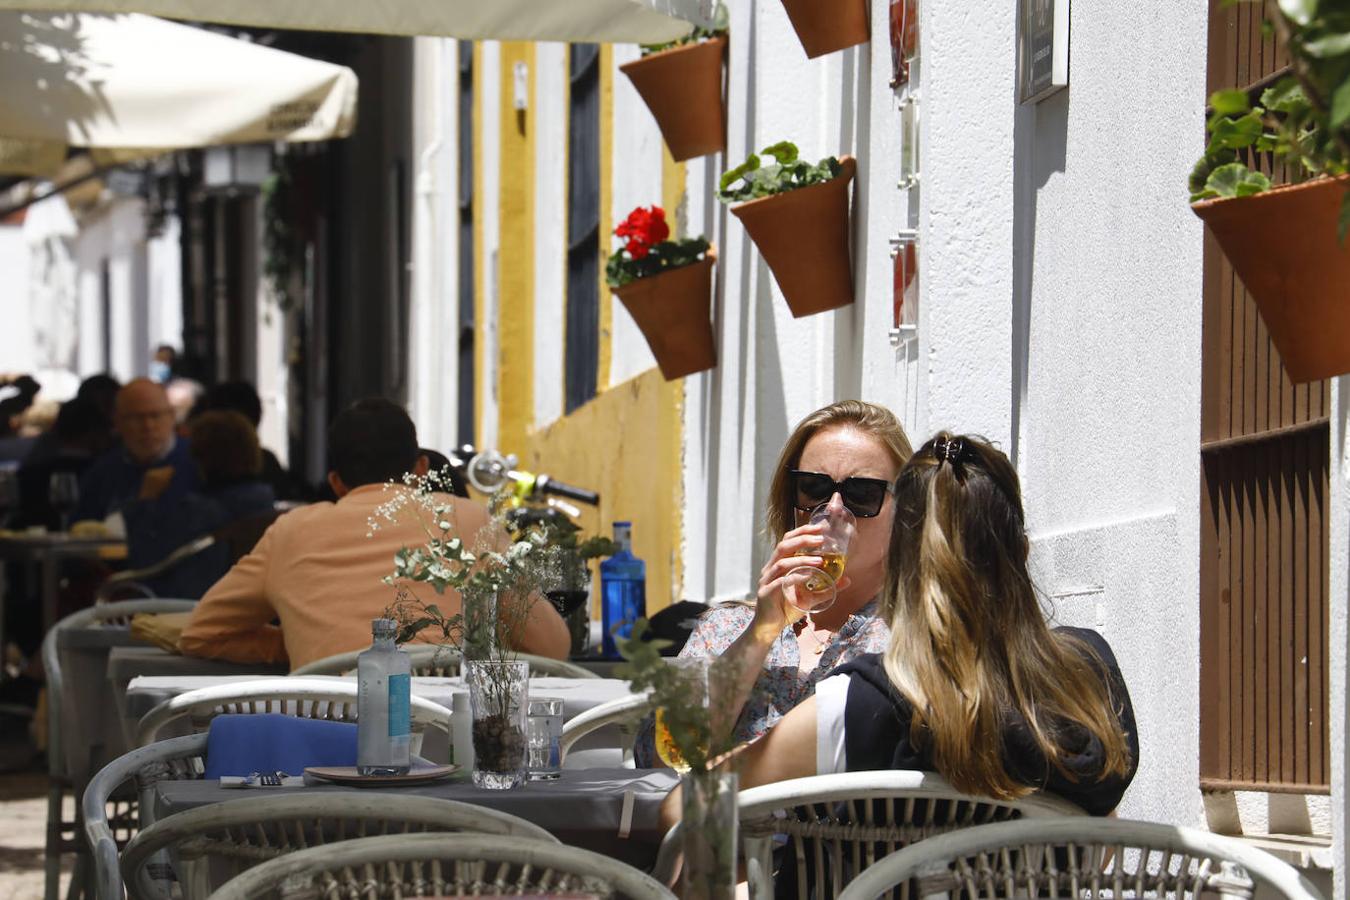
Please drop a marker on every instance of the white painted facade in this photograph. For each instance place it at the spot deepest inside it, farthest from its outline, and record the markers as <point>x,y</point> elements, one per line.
<point>89,293</point>
<point>1060,316</point>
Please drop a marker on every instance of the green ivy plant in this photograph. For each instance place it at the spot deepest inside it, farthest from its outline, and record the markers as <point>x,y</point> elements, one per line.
<point>719,28</point>
<point>752,180</point>
<point>1302,119</point>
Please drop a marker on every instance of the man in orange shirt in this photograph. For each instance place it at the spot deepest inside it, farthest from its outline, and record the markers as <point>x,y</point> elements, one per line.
<point>318,569</point>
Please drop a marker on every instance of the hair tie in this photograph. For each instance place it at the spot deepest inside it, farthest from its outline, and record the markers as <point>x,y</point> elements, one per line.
<point>948,450</point>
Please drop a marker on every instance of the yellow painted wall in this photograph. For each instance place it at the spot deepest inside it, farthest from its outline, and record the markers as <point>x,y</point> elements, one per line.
<point>515,260</point>
<point>626,444</point>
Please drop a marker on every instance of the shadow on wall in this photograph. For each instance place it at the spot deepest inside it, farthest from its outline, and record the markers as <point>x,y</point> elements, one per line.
<point>1040,142</point>
<point>850,322</point>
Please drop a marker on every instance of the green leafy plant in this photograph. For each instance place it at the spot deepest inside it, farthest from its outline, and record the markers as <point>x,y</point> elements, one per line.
<point>699,727</point>
<point>1303,119</point>
<point>647,251</point>
<point>720,26</point>
<point>752,180</point>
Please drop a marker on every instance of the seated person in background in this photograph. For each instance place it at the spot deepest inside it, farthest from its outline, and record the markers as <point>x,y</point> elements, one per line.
<point>151,461</point>
<point>242,397</point>
<point>224,447</point>
<point>319,568</point>
<point>973,684</point>
<point>80,434</point>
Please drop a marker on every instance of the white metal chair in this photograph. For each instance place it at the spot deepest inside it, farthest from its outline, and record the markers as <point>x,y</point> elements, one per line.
<point>838,825</point>
<point>1078,857</point>
<point>73,757</point>
<point>311,698</point>
<point>228,838</point>
<point>177,759</point>
<point>442,865</point>
<point>625,712</point>
<point>427,659</point>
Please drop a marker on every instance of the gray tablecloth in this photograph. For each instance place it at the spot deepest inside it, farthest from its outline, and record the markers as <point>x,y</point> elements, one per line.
<point>583,808</point>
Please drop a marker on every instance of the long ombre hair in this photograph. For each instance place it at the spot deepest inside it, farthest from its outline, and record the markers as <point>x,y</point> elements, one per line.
<point>877,421</point>
<point>968,640</point>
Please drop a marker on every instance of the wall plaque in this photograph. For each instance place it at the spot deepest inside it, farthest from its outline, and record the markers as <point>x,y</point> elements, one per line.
<point>1043,48</point>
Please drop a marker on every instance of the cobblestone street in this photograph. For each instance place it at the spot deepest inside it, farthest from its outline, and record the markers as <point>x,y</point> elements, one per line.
<point>23,814</point>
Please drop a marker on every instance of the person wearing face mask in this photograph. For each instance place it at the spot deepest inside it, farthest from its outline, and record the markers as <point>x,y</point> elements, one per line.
<point>150,462</point>
<point>846,454</point>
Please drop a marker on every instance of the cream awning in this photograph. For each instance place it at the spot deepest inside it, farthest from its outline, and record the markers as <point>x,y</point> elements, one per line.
<point>617,21</point>
<point>130,86</point>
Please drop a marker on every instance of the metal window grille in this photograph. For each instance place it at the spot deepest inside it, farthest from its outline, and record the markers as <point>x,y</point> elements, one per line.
<point>582,345</point>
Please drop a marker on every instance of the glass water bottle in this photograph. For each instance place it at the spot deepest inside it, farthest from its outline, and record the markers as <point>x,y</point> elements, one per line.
<point>384,701</point>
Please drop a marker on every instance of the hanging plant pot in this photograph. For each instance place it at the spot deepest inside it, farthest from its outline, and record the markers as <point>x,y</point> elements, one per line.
<point>824,26</point>
<point>803,236</point>
<point>674,312</point>
<point>682,87</point>
<point>1282,244</point>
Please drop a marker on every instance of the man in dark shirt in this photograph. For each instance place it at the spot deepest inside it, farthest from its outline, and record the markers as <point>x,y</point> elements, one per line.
<point>151,461</point>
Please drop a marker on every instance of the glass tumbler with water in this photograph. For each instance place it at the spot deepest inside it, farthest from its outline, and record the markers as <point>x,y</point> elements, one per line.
<point>812,589</point>
<point>544,734</point>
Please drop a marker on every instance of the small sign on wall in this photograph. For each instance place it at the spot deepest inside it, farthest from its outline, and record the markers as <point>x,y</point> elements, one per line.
<point>1043,48</point>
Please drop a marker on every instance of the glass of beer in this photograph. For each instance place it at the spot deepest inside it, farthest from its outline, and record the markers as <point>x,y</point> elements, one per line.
<point>812,589</point>
<point>692,674</point>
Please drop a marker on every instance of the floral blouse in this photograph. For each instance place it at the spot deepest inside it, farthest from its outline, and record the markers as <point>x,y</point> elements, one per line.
<point>782,684</point>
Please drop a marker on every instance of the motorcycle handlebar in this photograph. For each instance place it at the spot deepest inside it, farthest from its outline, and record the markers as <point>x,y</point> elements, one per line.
<point>546,485</point>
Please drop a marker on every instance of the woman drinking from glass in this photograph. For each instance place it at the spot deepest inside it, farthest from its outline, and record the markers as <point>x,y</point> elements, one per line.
<point>844,457</point>
<point>973,683</point>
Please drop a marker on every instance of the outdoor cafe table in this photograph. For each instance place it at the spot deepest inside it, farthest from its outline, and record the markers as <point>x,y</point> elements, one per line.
<point>44,552</point>
<point>144,693</point>
<point>584,808</point>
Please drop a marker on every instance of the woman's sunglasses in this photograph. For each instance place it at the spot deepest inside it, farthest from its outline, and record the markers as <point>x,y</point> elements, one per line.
<point>862,496</point>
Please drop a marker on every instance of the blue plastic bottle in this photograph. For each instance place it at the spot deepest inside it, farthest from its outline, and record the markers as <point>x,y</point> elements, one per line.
<point>623,589</point>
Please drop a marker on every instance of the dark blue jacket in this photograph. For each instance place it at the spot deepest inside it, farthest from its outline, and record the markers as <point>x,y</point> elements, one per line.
<point>114,480</point>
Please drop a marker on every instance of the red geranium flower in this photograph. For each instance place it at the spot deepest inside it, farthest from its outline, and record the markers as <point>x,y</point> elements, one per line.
<point>643,230</point>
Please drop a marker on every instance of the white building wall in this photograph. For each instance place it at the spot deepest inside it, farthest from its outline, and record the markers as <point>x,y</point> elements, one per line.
<point>550,229</point>
<point>1339,638</point>
<point>16,338</point>
<point>774,369</point>
<point>635,180</point>
<point>434,382</point>
<point>488,76</point>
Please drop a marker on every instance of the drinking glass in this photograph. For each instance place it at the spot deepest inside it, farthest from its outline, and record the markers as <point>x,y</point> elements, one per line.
<point>812,589</point>
<point>544,733</point>
<point>692,675</point>
<point>63,493</point>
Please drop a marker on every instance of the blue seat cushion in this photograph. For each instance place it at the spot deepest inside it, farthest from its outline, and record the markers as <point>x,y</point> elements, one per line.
<point>270,742</point>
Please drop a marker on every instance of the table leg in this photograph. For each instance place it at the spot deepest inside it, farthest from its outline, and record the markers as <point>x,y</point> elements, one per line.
<point>50,566</point>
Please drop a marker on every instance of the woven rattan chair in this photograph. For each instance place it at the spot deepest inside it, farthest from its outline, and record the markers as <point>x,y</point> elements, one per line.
<point>180,759</point>
<point>311,698</point>
<point>427,659</point>
<point>211,844</point>
<point>1080,858</point>
<point>432,659</point>
<point>71,755</point>
<point>625,712</point>
<point>837,825</point>
<point>442,865</point>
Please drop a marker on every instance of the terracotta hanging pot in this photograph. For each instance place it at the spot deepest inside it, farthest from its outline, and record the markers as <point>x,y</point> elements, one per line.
<point>824,26</point>
<point>674,312</point>
<point>803,236</point>
<point>1282,244</point>
<point>682,87</point>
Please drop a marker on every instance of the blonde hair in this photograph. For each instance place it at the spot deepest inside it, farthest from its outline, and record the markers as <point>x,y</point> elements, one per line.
<point>877,421</point>
<point>968,640</point>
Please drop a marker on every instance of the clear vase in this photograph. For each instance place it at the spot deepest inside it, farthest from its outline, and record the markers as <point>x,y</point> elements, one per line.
<point>499,701</point>
<point>708,827</point>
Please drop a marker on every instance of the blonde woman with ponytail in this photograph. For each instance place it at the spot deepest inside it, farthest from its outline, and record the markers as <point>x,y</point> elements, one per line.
<point>973,683</point>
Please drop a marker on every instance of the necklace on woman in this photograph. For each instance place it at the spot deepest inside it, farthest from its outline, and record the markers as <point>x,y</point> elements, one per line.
<point>809,627</point>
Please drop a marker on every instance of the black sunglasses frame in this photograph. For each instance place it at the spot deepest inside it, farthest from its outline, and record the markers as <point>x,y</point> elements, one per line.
<point>842,489</point>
